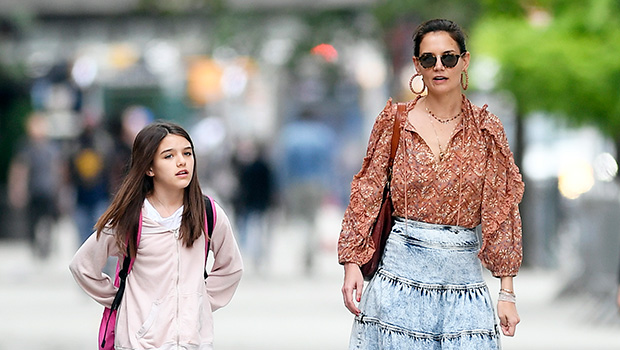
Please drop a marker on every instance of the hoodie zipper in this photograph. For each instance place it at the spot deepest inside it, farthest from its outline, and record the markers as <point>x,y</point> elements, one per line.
<point>176,238</point>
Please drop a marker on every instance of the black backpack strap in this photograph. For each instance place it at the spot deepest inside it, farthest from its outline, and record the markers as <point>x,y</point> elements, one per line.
<point>209,209</point>
<point>127,265</point>
<point>122,275</point>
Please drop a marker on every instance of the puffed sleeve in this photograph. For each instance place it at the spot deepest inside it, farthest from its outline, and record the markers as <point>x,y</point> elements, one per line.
<point>87,267</point>
<point>501,250</point>
<point>367,192</point>
<point>227,266</point>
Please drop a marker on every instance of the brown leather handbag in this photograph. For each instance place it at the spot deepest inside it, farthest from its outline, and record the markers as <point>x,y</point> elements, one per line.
<point>383,224</point>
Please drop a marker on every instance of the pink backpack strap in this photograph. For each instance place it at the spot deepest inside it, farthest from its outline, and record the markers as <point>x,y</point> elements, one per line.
<point>106,333</point>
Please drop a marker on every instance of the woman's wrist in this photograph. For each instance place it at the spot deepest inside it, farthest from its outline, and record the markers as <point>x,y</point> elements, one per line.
<point>506,291</point>
<point>350,266</point>
<point>503,296</point>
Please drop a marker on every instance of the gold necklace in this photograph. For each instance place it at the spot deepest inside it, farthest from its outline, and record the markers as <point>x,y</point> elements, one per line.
<point>442,121</point>
<point>441,152</point>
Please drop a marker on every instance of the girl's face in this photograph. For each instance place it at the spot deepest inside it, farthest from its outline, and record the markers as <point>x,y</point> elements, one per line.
<point>173,164</point>
<point>440,77</point>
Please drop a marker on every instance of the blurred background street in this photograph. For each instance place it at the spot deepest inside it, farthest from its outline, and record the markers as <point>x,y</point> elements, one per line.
<point>279,97</point>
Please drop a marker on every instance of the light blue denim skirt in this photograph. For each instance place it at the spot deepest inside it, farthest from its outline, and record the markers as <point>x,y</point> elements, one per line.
<point>427,294</point>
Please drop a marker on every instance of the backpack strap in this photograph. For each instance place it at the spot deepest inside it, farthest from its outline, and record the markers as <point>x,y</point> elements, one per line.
<point>121,274</point>
<point>210,219</point>
<point>138,236</point>
<point>121,279</point>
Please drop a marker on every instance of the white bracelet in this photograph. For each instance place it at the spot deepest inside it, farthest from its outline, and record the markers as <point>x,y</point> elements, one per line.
<point>503,296</point>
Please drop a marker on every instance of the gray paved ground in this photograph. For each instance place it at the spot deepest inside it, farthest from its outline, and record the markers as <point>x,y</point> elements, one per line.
<point>41,307</point>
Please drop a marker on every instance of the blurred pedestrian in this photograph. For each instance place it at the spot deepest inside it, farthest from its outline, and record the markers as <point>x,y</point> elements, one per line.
<point>166,289</point>
<point>132,120</point>
<point>89,167</point>
<point>34,183</point>
<point>254,198</point>
<point>306,170</point>
<point>453,171</point>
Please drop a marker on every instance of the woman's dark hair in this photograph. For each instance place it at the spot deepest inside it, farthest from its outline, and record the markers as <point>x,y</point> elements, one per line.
<point>123,215</point>
<point>438,25</point>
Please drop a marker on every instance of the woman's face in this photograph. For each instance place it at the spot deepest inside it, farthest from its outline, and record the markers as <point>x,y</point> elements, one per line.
<point>440,78</point>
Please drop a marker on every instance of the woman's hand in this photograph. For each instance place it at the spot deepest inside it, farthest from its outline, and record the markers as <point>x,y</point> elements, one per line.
<point>508,317</point>
<point>352,287</point>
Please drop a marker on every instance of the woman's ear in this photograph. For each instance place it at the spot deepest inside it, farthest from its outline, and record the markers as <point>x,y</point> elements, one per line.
<point>416,64</point>
<point>465,59</point>
<point>150,172</point>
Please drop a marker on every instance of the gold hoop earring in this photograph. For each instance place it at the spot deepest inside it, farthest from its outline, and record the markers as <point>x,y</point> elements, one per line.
<point>465,81</point>
<point>411,84</point>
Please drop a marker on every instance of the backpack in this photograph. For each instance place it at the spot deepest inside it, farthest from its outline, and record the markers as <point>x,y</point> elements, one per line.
<point>108,320</point>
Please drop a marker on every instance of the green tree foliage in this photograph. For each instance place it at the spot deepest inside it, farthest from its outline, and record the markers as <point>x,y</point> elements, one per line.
<point>558,56</point>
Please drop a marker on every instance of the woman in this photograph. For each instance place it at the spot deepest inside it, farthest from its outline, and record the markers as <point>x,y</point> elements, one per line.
<point>167,303</point>
<point>453,171</point>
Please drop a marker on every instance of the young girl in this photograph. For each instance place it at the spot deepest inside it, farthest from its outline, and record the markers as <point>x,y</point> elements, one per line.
<point>167,303</point>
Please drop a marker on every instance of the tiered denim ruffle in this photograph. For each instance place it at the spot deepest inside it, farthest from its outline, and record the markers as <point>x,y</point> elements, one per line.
<point>428,293</point>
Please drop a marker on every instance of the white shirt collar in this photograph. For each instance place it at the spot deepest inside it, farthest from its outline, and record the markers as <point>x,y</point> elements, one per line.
<point>172,222</point>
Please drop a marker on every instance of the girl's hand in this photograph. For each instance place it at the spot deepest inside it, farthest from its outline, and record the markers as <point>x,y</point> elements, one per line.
<point>353,285</point>
<point>508,317</point>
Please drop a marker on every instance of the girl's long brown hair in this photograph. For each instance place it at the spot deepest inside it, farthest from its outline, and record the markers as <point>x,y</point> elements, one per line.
<point>123,214</point>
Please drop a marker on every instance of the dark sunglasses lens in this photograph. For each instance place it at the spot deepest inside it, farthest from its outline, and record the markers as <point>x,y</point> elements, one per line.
<point>428,61</point>
<point>449,60</point>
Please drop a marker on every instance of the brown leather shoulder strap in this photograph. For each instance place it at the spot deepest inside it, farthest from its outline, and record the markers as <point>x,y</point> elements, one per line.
<point>401,110</point>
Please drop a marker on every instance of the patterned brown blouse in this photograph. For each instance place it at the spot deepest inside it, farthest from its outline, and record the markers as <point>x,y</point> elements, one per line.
<point>477,182</point>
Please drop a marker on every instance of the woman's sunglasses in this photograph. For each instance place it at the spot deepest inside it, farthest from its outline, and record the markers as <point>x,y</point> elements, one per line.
<point>448,60</point>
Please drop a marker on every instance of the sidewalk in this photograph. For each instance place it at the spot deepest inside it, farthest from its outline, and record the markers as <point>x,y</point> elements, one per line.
<point>42,308</point>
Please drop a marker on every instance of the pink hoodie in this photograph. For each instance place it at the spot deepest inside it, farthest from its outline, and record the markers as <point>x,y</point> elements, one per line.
<point>167,303</point>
